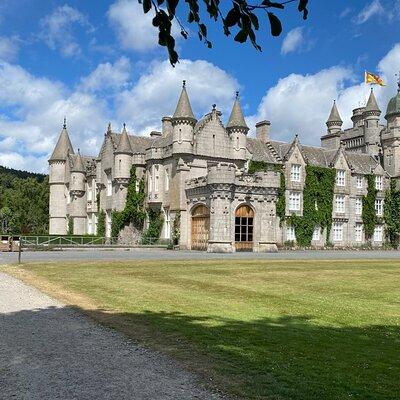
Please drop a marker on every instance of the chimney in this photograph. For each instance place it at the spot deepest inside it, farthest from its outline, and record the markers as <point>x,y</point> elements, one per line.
<point>154,134</point>
<point>166,125</point>
<point>262,130</point>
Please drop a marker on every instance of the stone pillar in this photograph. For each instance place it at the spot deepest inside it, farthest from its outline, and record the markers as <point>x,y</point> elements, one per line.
<point>267,220</point>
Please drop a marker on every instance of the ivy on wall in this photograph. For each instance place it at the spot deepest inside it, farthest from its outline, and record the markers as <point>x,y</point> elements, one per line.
<point>255,166</point>
<point>392,214</point>
<point>368,208</point>
<point>156,222</point>
<point>317,204</point>
<point>134,211</point>
<point>176,226</point>
<point>101,224</point>
<point>70,230</point>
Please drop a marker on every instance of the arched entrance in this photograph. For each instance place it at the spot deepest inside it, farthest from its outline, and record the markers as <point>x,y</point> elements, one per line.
<point>200,227</point>
<point>244,224</point>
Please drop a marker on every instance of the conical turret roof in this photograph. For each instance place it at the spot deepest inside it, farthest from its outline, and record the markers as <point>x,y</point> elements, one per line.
<point>63,146</point>
<point>334,115</point>
<point>124,145</point>
<point>78,164</point>
<point>236,119</point>
<point>372,105</point>
<point>183,108</point>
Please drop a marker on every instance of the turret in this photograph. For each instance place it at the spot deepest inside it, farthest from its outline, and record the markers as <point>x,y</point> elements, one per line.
<point>183,122</point>
<point>77,188</point>
<point>334,125</point>
<point>371,125</point>
<point>123,158</point>
<point>57,182</point>
<point>78,176</point>
<point>237,130</point>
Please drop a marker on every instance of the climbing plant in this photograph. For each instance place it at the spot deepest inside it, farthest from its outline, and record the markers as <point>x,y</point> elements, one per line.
<point>255,166</point>
<point>368,208</point>
<point>156,221</point>
<point>176,225</point>
<point>134,211</point>
<point>317,204</point>
<point>392,214</point>
<point>70,230</point>
<point>101,224</point>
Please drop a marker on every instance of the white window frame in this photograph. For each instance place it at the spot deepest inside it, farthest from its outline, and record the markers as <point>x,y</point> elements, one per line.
<point>89,225</point>
<point>358,233</point>
<point>109,184</point>
<point>167,223</point>
<point>337,231</point>
<point>108,224</point>
<point>359,181</point>
<point>295,172</point>
<point>379,207</point>
<point>316,234</point>
<point>156,178</point>
<point>166,180</point>
<point>379,182</point>
<point>290,233</point>
<point>378,233</point>
<point>358,206</point>
<point>340,204</point>
<point>341,177</point>
<point>294,201</point>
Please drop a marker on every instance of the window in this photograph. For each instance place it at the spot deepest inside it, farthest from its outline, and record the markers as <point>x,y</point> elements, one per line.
<point>358,233</point>
<point>379,207</point>
<point>95,224</point>
<point>316,234</point>
<point>90,225</point>
<point>379,182</point>
<point>294,201</point>
<point>166,180</point>
<point>378,233</point>
<point>295,173</point>
<point>338,231</point>
<point>341,177</point>
<point>89,191</point>
<point>290,233</point>
<point>150,181</point>
<point>67,194</point>
<point>339,204</point>
<point>358,207</point>
<point>167,219</point>
<point>109,185</point>
<point>359,182</point>
<point>156,178</point>
<point>108,223</point>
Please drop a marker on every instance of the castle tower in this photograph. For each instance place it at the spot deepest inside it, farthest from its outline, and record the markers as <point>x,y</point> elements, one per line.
<point>183,122</point>
<point>237,130</point>
<point>77,189</point>
<point>57,182</point>
<point>391,137</point>
<point>334,124</point>
<point>371,126</point>
<point>122,166</point>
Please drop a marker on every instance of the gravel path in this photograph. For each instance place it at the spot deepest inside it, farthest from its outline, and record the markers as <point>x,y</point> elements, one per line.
<point>48,351</point>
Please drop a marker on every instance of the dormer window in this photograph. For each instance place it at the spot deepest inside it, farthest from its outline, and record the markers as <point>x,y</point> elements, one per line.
<point>341,177</point>
<point>295,172</point>
<point>359,182</point>
<point>378,182</point>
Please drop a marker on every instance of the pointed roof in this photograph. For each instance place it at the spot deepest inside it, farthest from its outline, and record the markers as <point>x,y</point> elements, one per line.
<point>236,119</point>
<point>334,115</point>
<point>183,108</point>
<point>124,145</point>
<point>63,146</point>
<point>372,105</point>
<point>78,164</point>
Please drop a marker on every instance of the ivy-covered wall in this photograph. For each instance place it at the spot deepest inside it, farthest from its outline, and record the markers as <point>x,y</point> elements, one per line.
<point>369,217</point>
<point>101,224</point>
<point>156,222</point>
<point>392,214</point>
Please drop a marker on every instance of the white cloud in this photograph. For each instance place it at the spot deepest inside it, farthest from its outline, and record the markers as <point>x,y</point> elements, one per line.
<point>301,103</point>
<point>9,47</point>
<point>24,163</point>
<point>372,9</point>
<point>156,92</point>
<point>292,41</point>
<point>107,76</point>
<point>134,28</point>
<point>57,30</point>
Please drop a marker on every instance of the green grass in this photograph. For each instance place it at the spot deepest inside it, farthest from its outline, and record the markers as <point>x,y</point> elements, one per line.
<point>257,329</point>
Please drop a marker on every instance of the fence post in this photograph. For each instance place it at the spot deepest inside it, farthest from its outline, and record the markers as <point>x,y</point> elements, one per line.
<point>19,250</point>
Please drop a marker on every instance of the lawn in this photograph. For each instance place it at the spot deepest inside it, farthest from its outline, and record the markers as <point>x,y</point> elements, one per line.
<point>256,329</point>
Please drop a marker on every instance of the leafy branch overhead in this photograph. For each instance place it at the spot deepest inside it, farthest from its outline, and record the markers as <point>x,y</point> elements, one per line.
<point>240,15</point>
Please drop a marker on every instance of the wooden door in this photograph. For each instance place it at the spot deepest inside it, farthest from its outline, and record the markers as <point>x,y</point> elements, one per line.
<point>244,227</point>
<point>200,227</point>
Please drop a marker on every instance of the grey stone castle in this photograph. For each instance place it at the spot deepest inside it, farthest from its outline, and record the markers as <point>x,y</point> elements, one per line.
<point>197,169</point>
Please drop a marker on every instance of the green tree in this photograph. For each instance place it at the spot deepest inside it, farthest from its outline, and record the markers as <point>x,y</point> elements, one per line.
<point>233,14</point>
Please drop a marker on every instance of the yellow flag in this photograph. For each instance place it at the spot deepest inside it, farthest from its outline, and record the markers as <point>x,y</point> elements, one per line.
<point>374,79</point>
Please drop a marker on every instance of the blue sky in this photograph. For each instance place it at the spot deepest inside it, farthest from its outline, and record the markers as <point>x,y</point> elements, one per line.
<point>98,61</point>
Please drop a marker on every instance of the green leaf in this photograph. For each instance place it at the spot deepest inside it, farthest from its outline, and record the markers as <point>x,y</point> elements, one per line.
<point>232,18</point>
<point>276,26</point>
<point>241,36</point>
<point>146,6</point>
<point>268,3</point>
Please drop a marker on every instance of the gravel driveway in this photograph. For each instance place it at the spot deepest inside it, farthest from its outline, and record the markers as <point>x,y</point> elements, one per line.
<point>49,351</point>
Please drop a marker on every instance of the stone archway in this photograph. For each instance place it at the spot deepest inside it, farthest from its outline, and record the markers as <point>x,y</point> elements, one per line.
<point>200,227</point>
<point>244,228</point>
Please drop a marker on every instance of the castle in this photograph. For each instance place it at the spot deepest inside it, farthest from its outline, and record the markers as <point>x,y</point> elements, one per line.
<point>197,171</point>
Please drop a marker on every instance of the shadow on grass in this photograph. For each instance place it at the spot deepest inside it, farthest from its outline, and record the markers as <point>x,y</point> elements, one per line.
<point>284,358</point>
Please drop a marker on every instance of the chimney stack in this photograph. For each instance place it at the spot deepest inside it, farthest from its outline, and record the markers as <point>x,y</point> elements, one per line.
<point>166,126</point>
<point>262,130</point>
